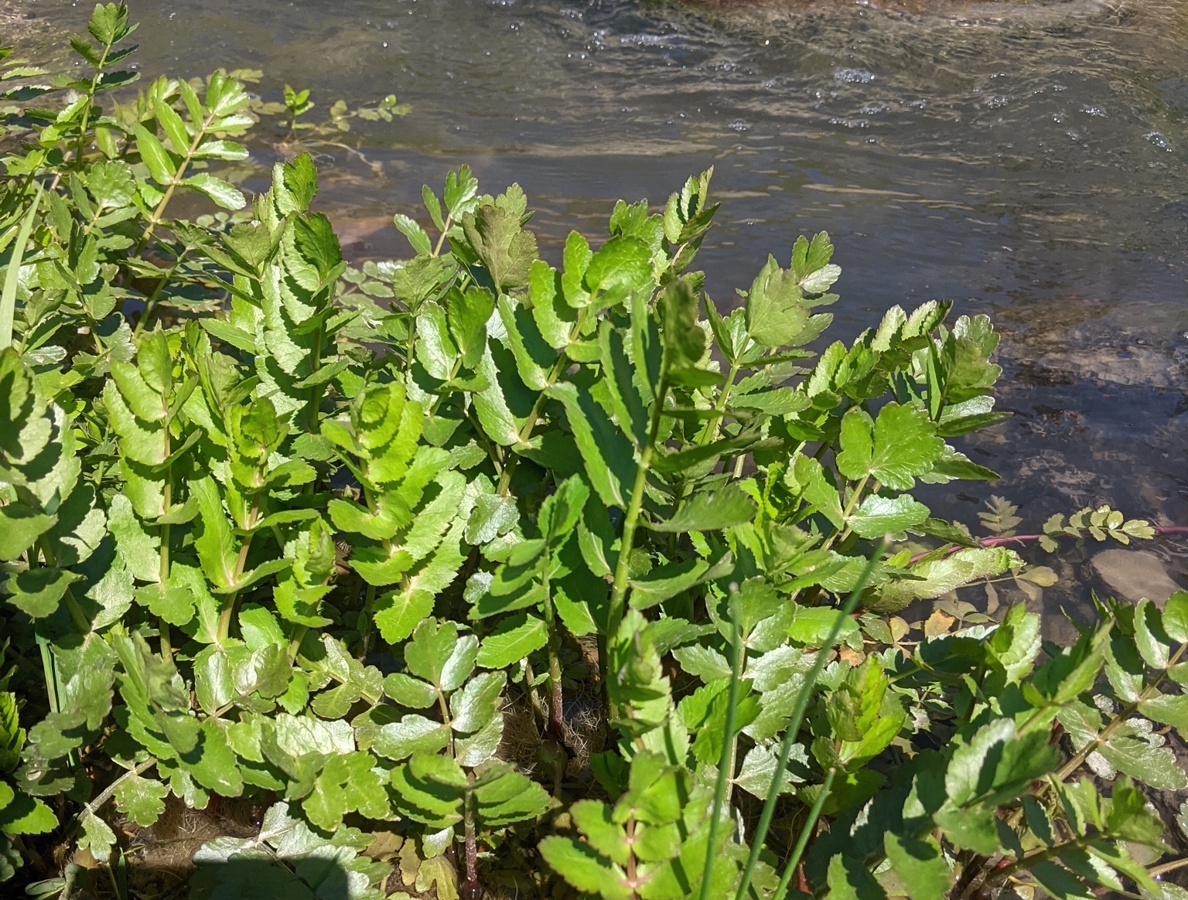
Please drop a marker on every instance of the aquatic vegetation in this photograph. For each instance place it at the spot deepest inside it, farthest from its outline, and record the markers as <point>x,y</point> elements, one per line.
<point>480,577</point>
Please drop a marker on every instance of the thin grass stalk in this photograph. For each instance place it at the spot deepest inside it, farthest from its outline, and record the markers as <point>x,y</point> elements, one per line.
<point>12,277</point>
<point>726,763</point>
<point>806,831</point>
<point>794,723</point>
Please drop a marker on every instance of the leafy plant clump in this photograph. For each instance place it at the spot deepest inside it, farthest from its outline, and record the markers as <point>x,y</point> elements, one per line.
<point>480,577</point>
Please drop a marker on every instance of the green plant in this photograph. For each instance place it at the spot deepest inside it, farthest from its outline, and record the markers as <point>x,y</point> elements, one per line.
<point>568,578</point>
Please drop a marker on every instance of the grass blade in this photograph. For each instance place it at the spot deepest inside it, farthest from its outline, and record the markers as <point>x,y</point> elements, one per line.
<point>798,712</point>
<point>13,273</point>
<point>725,764</point>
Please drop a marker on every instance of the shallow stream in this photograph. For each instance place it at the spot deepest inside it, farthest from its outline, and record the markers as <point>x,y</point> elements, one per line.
<point>1032,167</point>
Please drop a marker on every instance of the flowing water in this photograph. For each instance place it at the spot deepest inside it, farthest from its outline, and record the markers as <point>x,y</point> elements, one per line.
<point>1031,165</point>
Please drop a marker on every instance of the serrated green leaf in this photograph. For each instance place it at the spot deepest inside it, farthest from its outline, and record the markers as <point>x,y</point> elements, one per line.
<point>620,267</point>
<point>97,836</point>
<point>141,799</point>
<point>504,247</point>
<point>710,511</point>
<point>1149,636</point>
<point>878,515</point>
<point>37,592</point>
<point>1175,616</point>
<point>477,703</point>
<point>412,734</point>
<point>775,313</point>
<point>584,868</point>
<point>20,527</point>
<point>513,639</point>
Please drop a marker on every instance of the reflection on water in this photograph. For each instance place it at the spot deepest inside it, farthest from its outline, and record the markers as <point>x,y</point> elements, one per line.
<point>1035,170</point>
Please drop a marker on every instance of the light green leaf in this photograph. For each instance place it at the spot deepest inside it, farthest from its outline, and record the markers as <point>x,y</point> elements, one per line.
<point>477,703</point>
<point>608,455</point>
<point>513,639</point>
<point>878,515</point>
<point>37,592</point>
<point>1175,616</point>
<point>409,691</point>
<point>160,165</point>
<point>501,243</point>
<point>584,868</point>
<point>141,799</point>
<point>97,836</point>
<point>214,543</point>
<point>621,266</point>
<point>25,814</point>
<point>412,734</point>
<point>758,770</point>
<point>775,313</point>
<point>399,612</point>
<point>20,527</point>
<point>221,192</point>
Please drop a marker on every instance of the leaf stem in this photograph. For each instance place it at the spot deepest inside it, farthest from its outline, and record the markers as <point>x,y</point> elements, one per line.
<point>1147,692</point>
<point>556,697</point>
<point>108,792</point>
<point>228,610</point>
<point>159,212</point>
<point>618,600</point>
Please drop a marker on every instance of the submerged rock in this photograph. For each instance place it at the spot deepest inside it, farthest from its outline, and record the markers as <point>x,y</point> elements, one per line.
<point>1135,574</point>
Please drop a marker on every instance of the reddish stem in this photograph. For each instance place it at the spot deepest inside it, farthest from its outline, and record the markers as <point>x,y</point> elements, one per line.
<point>1160,531</point>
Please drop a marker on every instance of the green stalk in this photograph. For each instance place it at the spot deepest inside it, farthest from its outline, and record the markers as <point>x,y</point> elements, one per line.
<point>562,364</point>
<point>729,745</point>
<point>714,426</point>
<point>13,275</point>
<point>86,117</point>
<point>317,390</point>
<point>1124,715</point>
<point>806,832</point>
<point>49,672</point>
<point>802,702</point>
<point>159,213</point>
<point>163,560</point>
<point>151,302</point>
<point>228,611</point>
<point>618,600</point>
<point>556,700</point>
<point>1044,855</point>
